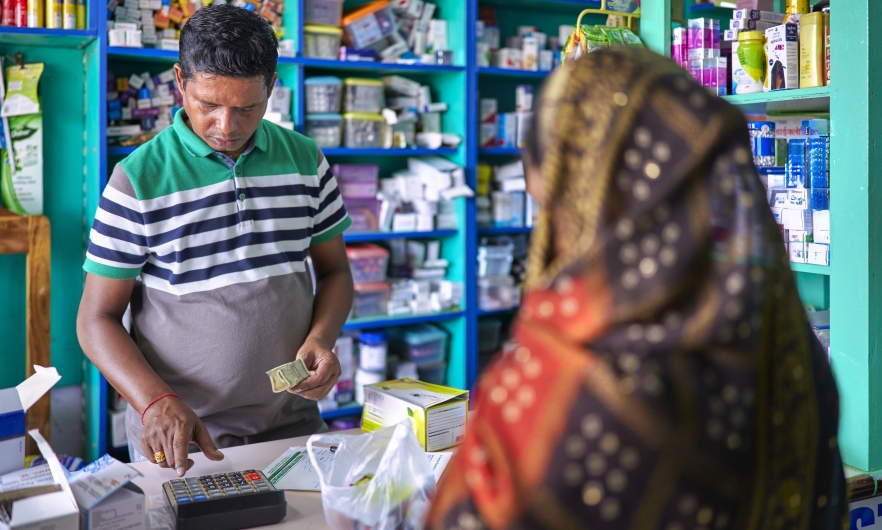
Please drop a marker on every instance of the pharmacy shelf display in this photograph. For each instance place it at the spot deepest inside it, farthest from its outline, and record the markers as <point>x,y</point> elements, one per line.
<point>74,97</point>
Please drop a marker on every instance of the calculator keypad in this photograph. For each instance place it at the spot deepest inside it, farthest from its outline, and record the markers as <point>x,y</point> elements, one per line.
<point>211,487</point>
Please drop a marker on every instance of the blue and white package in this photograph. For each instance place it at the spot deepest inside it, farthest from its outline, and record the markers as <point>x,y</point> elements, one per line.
<point>818,162</point>
<point>796,170</point>
<point>819,198</point>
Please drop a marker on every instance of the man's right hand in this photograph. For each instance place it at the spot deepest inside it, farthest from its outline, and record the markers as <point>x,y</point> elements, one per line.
<point>169,427</point>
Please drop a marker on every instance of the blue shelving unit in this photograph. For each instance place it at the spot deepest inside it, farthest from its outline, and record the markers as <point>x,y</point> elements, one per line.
<point>498,312</point>
<point>344,151</point>
<point>366,237</point>
<point>404,320</point>
<point>375,67</point>
<point>346,411</point>
<point>506,72</point>
<point>499,151</point>
<point>504,230</point>
<point>117,52</point>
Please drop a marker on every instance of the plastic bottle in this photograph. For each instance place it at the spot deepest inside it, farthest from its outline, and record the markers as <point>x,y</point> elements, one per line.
<point>762,138</point>
<point>811,50</point>
<point>826,12</point>
<point>372,351</point>
<point>750,76</point>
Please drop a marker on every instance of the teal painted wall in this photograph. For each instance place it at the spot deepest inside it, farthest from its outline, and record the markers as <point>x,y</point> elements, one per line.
<point>62,89</point>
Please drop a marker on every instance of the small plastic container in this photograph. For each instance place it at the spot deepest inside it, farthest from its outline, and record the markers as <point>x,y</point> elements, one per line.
<point>369,25</point>
<point>373,354</point>
<point>423,344</point>
<point>321,42</point>
<point>327,12</point>
<point>370,299</point>
<point>497,292</point>
<point>324,95</point>
<point>357,181</point>
<point>368,262</point>
<point>363,95</point>
<point>495,260</point>
<point>325,129</point>
<point>365,214</point>
<point>363,130</point>
<point>435,374</point>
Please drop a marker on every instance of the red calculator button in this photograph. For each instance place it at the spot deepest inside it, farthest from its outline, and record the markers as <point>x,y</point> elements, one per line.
<point>253,476</point>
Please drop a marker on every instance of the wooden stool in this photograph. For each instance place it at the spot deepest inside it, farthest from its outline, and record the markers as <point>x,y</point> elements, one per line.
<point>31,235</point>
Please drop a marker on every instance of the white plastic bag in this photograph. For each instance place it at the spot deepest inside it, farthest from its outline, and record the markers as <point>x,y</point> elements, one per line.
<point>380,480</point>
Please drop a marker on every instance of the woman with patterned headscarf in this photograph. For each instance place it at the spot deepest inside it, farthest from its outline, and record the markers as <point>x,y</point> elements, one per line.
<point>664,374</point>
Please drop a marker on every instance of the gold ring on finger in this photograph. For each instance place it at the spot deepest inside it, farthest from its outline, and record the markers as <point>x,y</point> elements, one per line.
<point>159,457</point>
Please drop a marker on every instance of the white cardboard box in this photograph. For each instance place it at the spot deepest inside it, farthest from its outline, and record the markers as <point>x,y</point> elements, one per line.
<point>797,219</point>
<point>121,510</point>
<point>818,254</point>
<point>14,402</point>
<point>797,252</point>
<point>821,220</point>
<point>47,511</point>
<point>822,236</point>
<point>782,51</point>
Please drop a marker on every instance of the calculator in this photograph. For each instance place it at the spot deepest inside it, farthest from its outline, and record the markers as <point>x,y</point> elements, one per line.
<point>225,501</point>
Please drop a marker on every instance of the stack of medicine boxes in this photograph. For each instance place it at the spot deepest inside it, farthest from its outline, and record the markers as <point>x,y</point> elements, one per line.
<point>697,49</point>
<point>800,197</point>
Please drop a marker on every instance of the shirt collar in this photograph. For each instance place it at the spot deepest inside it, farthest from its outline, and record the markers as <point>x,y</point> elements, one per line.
<point>197,147</point>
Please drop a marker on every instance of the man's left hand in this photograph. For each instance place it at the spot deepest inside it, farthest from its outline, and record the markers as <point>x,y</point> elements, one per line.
<point>324,367</point>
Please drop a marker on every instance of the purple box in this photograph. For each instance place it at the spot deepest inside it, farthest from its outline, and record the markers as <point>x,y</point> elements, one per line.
<point>680,46</point>
<point>700,32</point>
<point>357,181</point>
<point>152,112</point>
<point>365,214</point>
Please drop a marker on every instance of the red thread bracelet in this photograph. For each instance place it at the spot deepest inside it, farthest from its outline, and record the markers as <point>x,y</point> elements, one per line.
<point>154,401</point>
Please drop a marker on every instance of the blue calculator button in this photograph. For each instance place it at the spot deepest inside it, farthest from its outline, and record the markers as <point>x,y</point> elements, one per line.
<point>199,497</point>
<point>183,500</point>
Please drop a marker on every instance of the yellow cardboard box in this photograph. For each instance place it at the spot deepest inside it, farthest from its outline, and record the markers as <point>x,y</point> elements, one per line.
<point>437,413</point>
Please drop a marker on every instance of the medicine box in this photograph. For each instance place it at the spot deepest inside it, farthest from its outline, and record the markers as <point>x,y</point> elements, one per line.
<point>821,220</point>
<point>508,130</point>
<point>122,509</point>
<point>778,198</point>
<point>796,236</point>
<point>822,236</point>
<point>434,409</point>
<point>489,110</point>
<point>797,219</point>
<point>14,402</point>
<point>782,51</point>
<point>818,254</point>
<point>797,252</point>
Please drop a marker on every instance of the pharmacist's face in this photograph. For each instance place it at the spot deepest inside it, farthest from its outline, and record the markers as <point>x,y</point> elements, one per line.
<point>224,111</point>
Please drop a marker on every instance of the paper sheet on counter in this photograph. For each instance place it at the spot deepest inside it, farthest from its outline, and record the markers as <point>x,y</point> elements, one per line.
<point>293,470</point>
<point>32,389</point>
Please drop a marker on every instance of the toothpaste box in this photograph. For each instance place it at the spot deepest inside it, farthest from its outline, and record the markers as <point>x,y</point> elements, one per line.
<point>782,51</point>
<point>437,413</point>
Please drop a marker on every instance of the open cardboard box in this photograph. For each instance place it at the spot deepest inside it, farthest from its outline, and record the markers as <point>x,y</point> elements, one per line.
<point>14,402</point>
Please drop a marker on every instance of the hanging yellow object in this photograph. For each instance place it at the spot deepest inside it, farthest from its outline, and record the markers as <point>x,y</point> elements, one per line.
<point>586,39</point>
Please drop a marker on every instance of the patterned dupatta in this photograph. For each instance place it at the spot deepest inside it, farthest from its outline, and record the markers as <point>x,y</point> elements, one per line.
<point>664,374</point>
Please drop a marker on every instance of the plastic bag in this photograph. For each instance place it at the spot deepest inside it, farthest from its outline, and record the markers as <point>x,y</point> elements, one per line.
<point>381,480</point>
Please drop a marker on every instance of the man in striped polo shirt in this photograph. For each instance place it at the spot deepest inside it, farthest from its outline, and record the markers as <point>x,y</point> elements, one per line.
<point>205,231</point>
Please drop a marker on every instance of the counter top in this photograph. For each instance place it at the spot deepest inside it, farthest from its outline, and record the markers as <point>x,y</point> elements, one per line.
<point>304,507</point>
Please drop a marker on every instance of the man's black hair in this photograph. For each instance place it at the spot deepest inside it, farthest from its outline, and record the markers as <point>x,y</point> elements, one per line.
<point>228,41</point>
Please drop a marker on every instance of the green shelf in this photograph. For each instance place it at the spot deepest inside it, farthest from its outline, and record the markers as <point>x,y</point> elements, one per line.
<point>803,100</point>
<point>811,269</point>
<point>54,38</point>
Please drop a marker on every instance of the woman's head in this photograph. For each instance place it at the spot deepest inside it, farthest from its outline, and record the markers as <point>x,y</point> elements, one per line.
<point>635,159</point>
